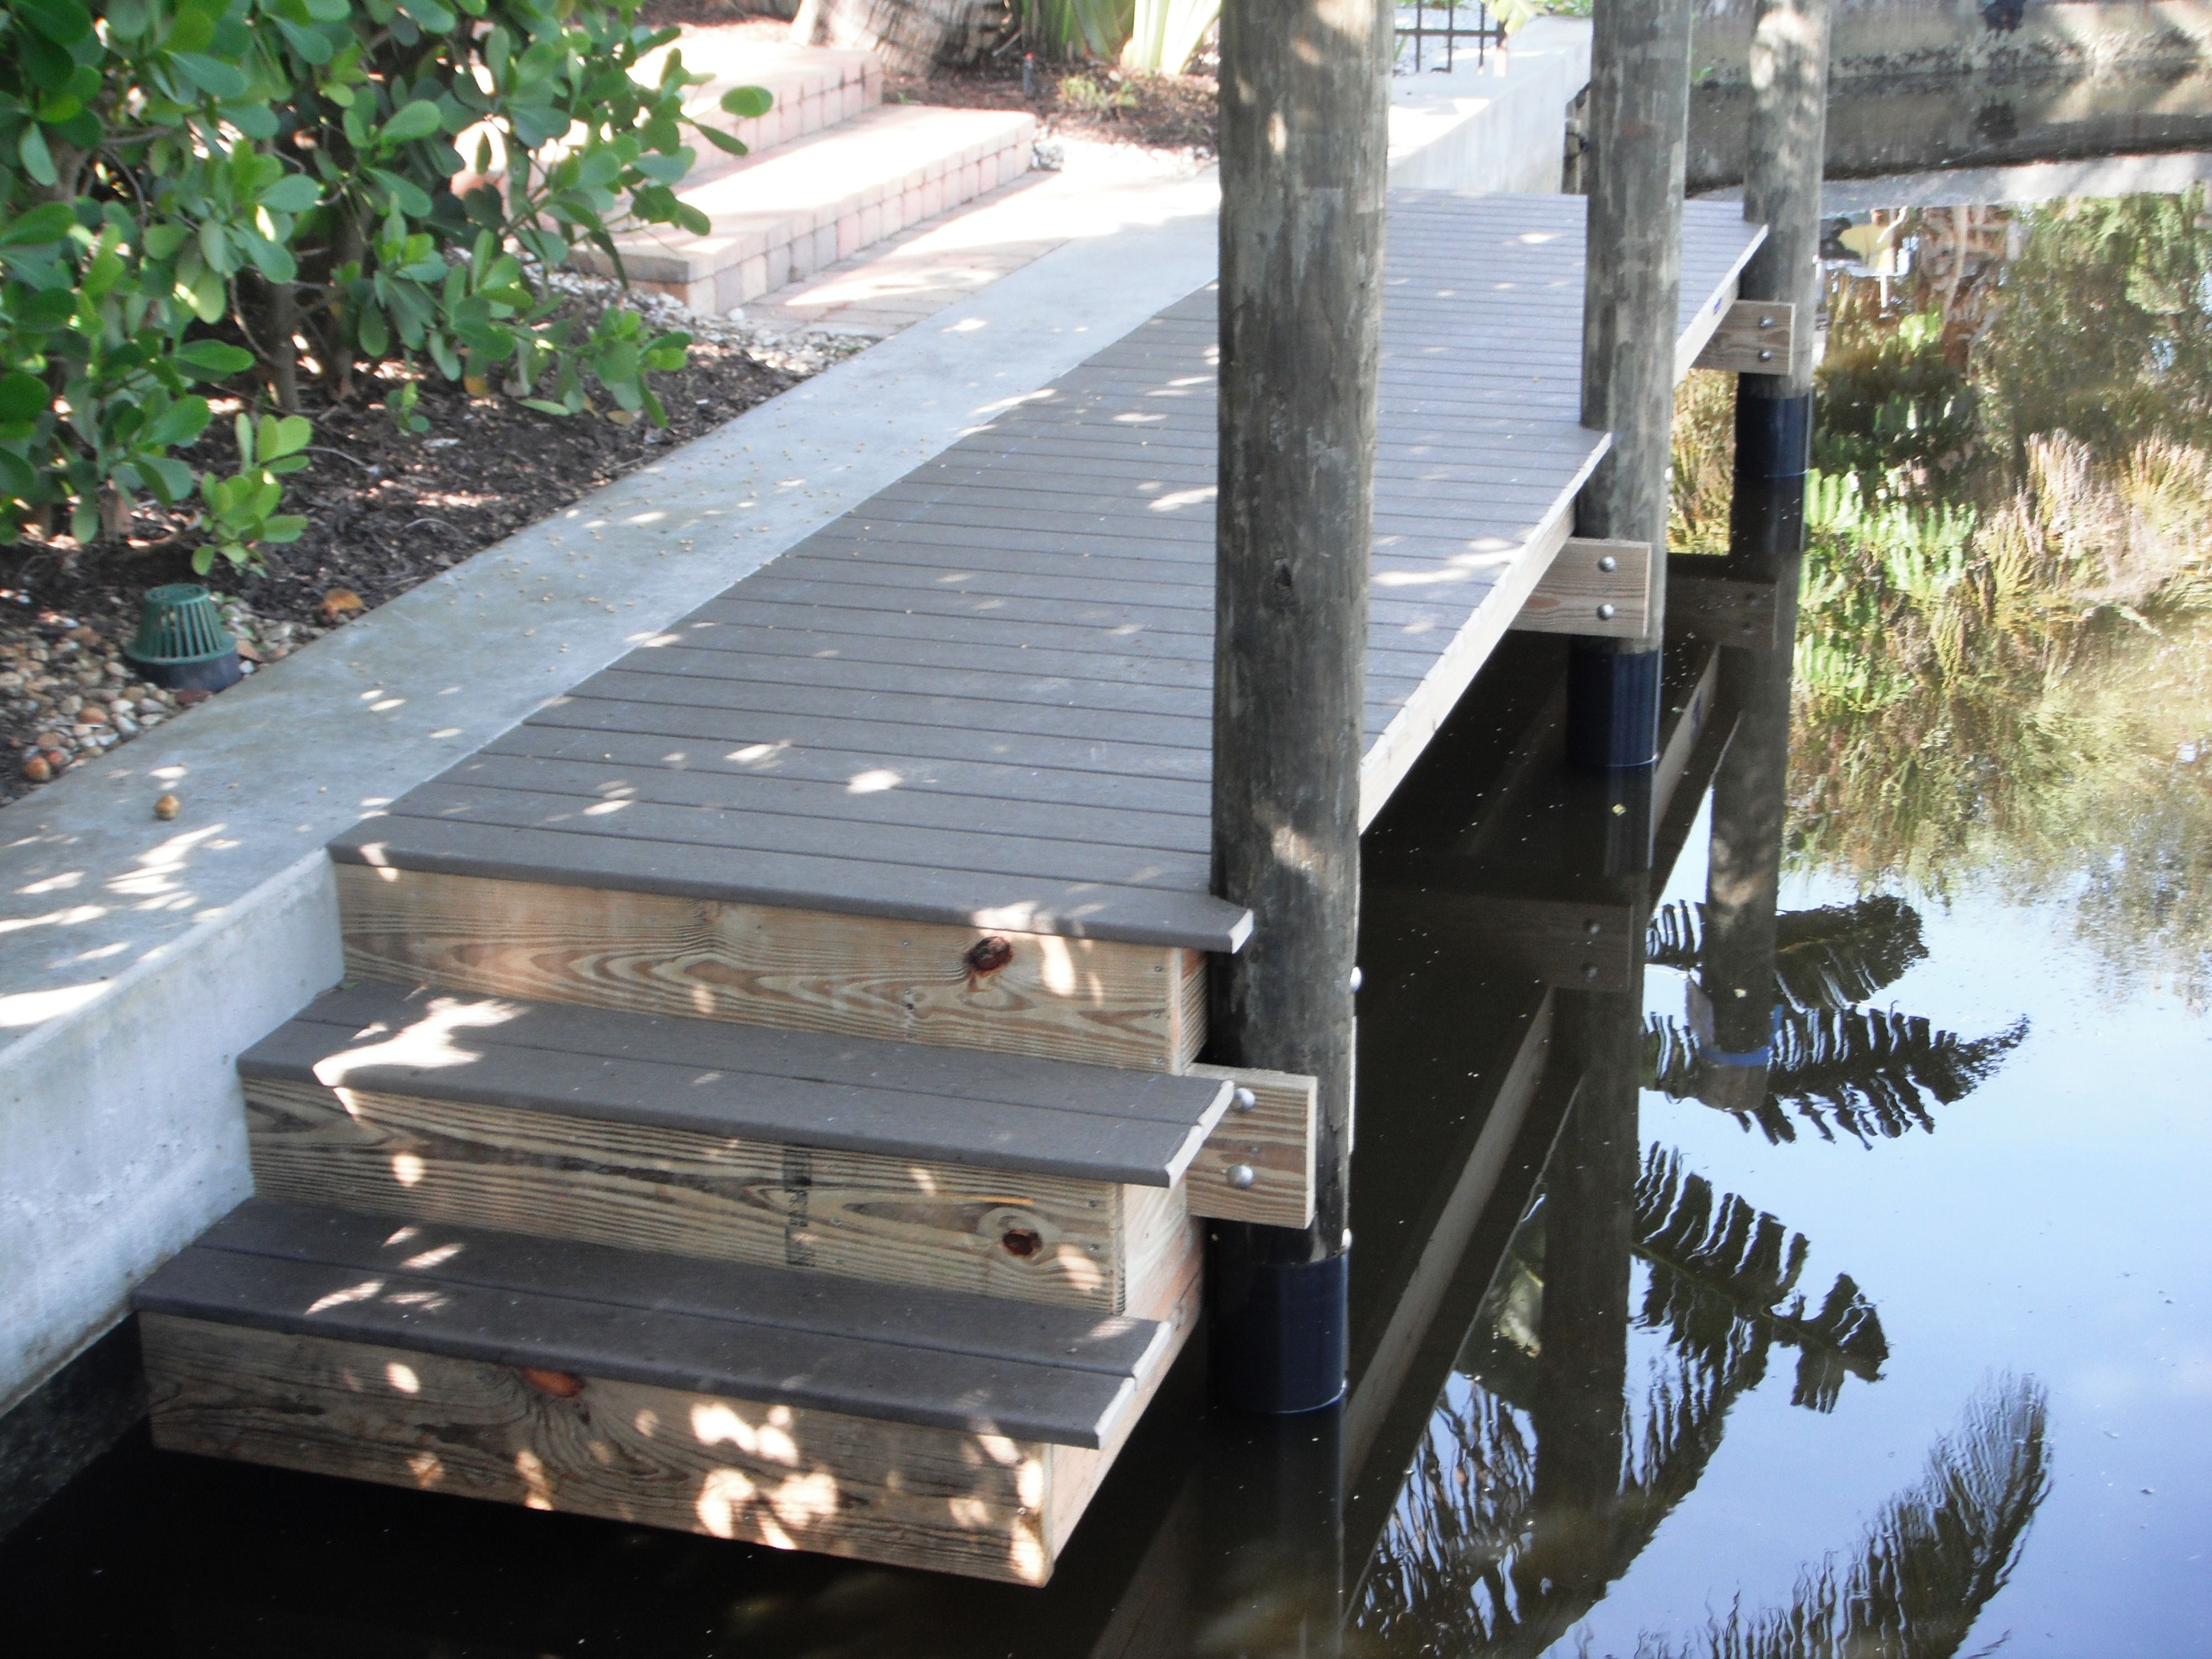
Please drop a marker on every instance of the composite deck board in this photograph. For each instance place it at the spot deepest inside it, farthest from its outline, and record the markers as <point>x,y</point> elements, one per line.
<point>787,1088</point>
<point>1078,523</point>
<point>554,1306</point>
<point>952,896</point>
<point>865,775</point>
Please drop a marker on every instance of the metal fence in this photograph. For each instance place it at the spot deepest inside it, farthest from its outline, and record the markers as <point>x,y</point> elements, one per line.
<point>1431,38</point>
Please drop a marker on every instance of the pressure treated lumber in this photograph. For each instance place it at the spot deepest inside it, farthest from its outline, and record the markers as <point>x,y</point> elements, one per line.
<point>1738,612</point>
<point>1638,117</point>
<point>893,1099</point>
<point>910,1426</point>
<point>1303,151</point>
<point>1756,336</point>
<point>1595,588</point>
<point>1273,1138</point>
<point>1091,1000</point>
<point>892,1163</point>
<point>1786,156</point>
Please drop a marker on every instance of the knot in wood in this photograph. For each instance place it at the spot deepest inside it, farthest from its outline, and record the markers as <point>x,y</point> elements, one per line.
<point>562,1385</point>
<point>986,956</point>
<point>1022,1242</point>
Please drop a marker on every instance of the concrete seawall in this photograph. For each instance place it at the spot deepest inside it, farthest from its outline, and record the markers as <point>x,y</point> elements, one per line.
<point>1871,38</point>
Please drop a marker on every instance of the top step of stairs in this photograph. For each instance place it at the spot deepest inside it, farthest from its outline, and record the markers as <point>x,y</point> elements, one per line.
<point>810,202</point>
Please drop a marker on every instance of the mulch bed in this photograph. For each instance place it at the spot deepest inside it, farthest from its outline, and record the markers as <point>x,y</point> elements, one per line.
<point>1080,101</point>
<point>386,510</point>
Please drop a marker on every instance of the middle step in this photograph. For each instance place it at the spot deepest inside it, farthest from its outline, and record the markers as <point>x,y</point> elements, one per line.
<point>1000,1175</point>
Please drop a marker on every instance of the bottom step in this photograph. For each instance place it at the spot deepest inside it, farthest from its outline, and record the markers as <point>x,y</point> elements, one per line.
<point>918,1427</point>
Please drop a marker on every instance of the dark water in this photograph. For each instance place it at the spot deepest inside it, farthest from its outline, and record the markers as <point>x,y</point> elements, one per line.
<point>1863,1313</point>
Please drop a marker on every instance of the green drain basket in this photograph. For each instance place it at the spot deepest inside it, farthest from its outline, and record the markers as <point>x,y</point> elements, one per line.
<point>180,642</point>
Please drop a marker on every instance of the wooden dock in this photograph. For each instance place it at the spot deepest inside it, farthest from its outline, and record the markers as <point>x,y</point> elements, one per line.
<point>775,1064</point>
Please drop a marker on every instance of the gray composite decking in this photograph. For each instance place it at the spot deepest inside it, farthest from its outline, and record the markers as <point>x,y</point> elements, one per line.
<point>891,1099</point>
<point>899,1355</point>
<point>983,696</point>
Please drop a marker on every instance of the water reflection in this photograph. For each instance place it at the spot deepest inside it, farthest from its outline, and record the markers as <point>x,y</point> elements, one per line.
<point>2004,668</point>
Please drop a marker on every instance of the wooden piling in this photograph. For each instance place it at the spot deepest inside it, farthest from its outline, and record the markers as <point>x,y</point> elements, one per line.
<point>1303,142</point>
<point>1781,191</point>
<point>1639,120</point>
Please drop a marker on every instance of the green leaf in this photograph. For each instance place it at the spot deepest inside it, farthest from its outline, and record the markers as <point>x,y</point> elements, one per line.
<point>212,360</point>
<point>37,161</point>
<point>64,22</point>
<point>162,241</point>
<point>284,527</point>
<point>375,337</point>
<point>294,193</point>
<point>410,122</point>
<point>723,141</point>
<point>434,17</point>
<point>47,223</point>
<point>312,44</point>
<point>171,478</point>
<point>211,75</point>
<point>543,407</point>
<point>190,31</point>
<point>286,436</point>
<point>748,103</point>
<point>23,397</point>
<point>179,423</point>
<point>329,11</point>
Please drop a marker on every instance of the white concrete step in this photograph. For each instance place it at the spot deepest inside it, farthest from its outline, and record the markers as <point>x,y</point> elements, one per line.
<point>814,88</point>
<point>808,202</point>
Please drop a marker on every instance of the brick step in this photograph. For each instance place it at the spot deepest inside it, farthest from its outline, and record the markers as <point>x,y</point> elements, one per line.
<point>916,1427</point>
<point>811,202</point>
<point>814,88</point>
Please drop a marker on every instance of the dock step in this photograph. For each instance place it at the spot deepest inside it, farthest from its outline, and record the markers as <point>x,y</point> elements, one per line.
<point>996,1174</point>
<point>702,932</point>
<point>914,1426</point>
<point>811,202</point>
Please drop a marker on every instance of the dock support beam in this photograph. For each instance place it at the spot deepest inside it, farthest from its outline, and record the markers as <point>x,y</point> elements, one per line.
<point>1303,138</point>
<point>1638,121</point>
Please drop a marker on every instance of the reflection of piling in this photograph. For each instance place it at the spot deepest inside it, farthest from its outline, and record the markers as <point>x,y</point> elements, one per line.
<point>1302,139</point>
<point>1588,1235</point>
<point>1766,542</point>
<point>1742,882</point>
<point>1638,117</point>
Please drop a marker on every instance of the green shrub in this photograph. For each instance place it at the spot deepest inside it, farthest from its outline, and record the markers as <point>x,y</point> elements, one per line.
<point>223,196</point>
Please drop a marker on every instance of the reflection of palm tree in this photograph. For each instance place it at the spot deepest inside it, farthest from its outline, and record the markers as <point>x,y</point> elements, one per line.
<point>1867,1072</point>
<point>1728,1265</point>
<point>1933,1558</point>
<point>1469,1551</point>
<point>1827,957</point>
